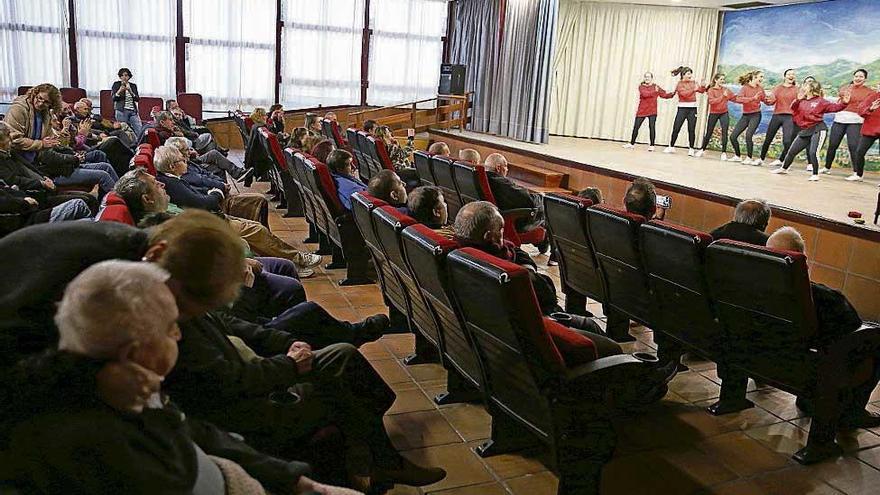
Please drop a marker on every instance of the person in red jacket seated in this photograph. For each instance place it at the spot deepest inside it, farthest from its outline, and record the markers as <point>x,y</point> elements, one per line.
<point>648,94</point>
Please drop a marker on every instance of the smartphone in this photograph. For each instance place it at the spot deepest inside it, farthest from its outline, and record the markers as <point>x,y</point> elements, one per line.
<point>664,201</point>
<point>410,133</point>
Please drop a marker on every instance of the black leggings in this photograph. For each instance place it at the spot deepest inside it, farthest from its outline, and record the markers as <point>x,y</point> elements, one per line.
<point>689,114</point>
<point>806,139</point>
<point>786,122</point>
<point>749,123</point>
<point>652,122</point>
<point>714,118</point>
<point>858,159</point>
<point>853,133</point>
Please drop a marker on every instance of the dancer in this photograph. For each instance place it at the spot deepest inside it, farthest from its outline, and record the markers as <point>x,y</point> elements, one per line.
<point>870,131</point>
<point>687,90</point>
<point>718,95</point>
<point>781,97</point>
<point>821,128</point>
<point>751,95</point>
<point>848,122</point>
<point>809,109</point>
<point>648,94</point>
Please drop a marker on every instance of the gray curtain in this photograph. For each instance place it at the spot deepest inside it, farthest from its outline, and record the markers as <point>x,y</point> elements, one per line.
<point>510,73</point>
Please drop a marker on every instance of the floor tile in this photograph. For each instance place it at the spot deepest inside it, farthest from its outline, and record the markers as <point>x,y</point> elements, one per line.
<point>416,430</point>
<point>777,402</point>
<point>742,454</point>
<point>391,371</point>
<point>462,466</point>
<point>663,471</point>
<point>487,489</point>
<point>694,387</point>
<point>783,438</point>
<point>849,475</point>
<point>543,483</point>
<point>471,421</point>
<point>411,401</point>
<point>849,440</point>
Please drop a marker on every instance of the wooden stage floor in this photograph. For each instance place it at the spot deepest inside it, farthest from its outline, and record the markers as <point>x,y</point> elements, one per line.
<point>831,198</point>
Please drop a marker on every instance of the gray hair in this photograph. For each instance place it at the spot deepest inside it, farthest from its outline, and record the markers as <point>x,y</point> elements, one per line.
<point>165,157</point>
<point>470,155</point>
<point>80,104</point>
<point>475,219</point>
<point>787,238</point>
<point>131,188</point>
<point>439,148</point>
<point>112,304</point>
<point>493,161</point>
<point>754,212</point>
<point>181,143</point>
<point>164,115</point>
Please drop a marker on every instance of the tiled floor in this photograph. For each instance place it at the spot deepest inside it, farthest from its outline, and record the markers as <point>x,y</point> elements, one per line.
<point>674,447</point>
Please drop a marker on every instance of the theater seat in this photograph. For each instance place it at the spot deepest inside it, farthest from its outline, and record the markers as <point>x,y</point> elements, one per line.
<point>145,161</point>
<point>114,209</point>
<point>331,131</point>
<point>151,137</point>
<point>72,95</point>
<point>146,104</point>
<point>422,163</point>
<point>442,169</point>
<point>369,166</point>
<point>106,102</point>
<point>191,104</point>
<point>281,174</point>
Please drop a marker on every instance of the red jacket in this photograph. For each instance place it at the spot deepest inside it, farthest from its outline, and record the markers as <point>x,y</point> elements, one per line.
<point>114,209</point>
<point>808,113</point>
<point>747,97</point>
<point>648,94</point>
<point>687,91</point>
<point>783,97</point>
<point>718,98</point>
<point>857,96</point>
<point>871,127</point>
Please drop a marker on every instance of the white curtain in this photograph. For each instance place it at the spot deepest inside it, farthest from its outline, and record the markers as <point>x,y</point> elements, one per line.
<point>406,50</point>
<point>321,61</point>
<point>231,52</point>
<point>604,50</point>
<point>33,44</point>
<point>112,34</point>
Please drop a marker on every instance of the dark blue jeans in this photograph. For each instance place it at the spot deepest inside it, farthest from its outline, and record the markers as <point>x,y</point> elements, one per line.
<point>275,290</point>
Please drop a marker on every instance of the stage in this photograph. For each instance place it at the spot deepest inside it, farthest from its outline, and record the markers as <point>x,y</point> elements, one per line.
<point>704,191</point>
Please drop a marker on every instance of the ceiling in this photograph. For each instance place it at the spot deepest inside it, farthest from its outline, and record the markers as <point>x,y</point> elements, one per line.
<point>715,4</point>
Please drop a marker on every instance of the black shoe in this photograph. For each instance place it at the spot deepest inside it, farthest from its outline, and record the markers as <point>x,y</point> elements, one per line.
<point>372,328</point>
<point>244,176</point>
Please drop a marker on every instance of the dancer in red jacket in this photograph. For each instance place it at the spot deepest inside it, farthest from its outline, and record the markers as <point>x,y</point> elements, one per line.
<point>848,122</point>
<point>868,109</point>
<point>687,90</point>
<point>809,109</point>
<point>648,94</point>
<point>718,95</point>
<point>750,95</point>
<point>781,97</point>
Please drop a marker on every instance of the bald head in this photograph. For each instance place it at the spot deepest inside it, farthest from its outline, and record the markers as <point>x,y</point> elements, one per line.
<point>787,239</point>
<point>439,148</point>
<point>479,222</point>
<point>469,155</point>
<point>754,212</point>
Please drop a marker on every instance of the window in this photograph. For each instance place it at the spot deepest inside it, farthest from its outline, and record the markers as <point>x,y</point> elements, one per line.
<point>322,52</point>
<point>231,53</point>
<point>405,50</point>
<point>33,45</point>
<point>121,33</point>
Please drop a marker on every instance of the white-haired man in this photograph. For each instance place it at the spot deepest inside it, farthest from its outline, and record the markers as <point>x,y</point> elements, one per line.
<point>212,161</point>
<point>509,195</point>
<point>99,441</point>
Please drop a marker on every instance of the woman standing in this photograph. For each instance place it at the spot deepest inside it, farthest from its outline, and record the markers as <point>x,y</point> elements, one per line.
<point>781,97</point>
<point>687,90</point>
<point>718,95</point>
<point>848,122</point>
<point>125,100</point>
<point>870,131</point>
<point>648,94</point>
<point>751,95</point>
<point>809,109</point>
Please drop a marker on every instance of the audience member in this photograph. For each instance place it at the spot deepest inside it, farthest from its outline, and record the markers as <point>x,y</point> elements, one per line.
<point>439,148</point>
<point>470,155</point>
<point>313,124</point>
<point>331,116</point>
<point>836,318</point>
<point>509,196</point>
<point>750,219</point>
<point>388,187</point>
<point>321,148</point>
<point>427,206</point>
<point>29,118</point>
<point>136,194</point>
<point>298,137</point>
<point>369,126</point>
<point>259,116</point>
<point>641,199</point>
<point>212,161</point>
<point>339,163</point>
<point>594,194</point>
<point>28,208</point>
<point>125,100</point>
<point>399,155</point>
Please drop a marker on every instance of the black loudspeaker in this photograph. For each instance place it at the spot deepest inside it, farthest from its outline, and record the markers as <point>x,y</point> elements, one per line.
<point>451,79</point>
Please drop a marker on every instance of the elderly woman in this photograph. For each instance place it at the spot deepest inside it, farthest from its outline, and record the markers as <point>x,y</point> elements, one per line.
<point>115,432</point>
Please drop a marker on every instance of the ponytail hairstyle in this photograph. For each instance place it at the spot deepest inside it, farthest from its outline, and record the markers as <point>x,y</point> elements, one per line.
<point>747,77</point>
<point>716,77</point>
<point>681,70</point>
<point>813,87</point>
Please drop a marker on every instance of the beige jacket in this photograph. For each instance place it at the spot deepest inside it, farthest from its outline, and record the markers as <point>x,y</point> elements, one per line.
<point>20,119</point>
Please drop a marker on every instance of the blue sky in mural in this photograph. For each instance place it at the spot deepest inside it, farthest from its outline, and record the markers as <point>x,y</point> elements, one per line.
<point>798,35</point>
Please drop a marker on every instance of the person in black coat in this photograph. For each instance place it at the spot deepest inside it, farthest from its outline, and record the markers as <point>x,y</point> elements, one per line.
<point>125,100</point>
<point>750,219</point>
<point>510,196</point>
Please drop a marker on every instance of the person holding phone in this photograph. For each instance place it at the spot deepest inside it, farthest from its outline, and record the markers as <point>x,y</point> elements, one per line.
<point>125,98</point>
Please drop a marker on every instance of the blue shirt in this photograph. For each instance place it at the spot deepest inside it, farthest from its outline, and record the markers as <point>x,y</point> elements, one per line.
<point>36,135</point>
<point>347,185</point>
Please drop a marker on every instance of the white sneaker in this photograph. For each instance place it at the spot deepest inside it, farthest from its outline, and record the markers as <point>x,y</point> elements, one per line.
<point>669,149</point>
<point>776,163</point>
<point>699,153</point>
<point>724,157</point>
<point>758,162</point>
<point>690,152</point>
<point>746,161</point>
<point>305,273</point>
<point>650,148</point>
<point>826,171</point>
<point>813,178</point>
<point>308,260</point>
<point>628,146</point>
<point>779,170</point>
<point>735,158</point>
<point>854,178</point>
<point>809,168</point>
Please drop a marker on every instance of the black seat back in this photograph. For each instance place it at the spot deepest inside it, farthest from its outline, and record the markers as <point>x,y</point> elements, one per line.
<point>442,167</point>
<point>422,163</point>
<point>566,218</point>
<point>362,206</point>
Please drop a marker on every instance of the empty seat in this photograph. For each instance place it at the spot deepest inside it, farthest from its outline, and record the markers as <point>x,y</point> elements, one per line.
<point>352,135</point>
<point>379,152</point>
<point>146,104</point>
<point>331,131</point>
<point>422,163</point>
<point>313,210</point>
<point>370,165</point>
<point>191,104</point>
<point>763,301</point>
<point>442,168</point>
<point>284,179</point>
<point>72,95</point>
<point>106,102</point>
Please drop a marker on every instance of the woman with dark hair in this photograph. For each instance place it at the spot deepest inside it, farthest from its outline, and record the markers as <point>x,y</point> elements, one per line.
<point>275,123</point>
<point>718,95</point>
<point>870,131</point>
<point>687,90</point>
<point>125,100</point>
<point>296,139</point>
<point>781,98</point>
<point>322,150</point>
<point>750,96</point>
<point>848,122</point>
<point>648,94</point>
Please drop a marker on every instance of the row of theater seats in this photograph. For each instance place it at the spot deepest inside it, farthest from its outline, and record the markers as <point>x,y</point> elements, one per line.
<point>370,154</point>
<point>748,308</point>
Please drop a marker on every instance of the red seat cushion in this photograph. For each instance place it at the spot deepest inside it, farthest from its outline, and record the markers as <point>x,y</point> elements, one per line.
<point>575,348</point>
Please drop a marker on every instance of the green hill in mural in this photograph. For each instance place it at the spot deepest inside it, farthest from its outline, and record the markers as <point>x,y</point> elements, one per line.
<point>831,75</point>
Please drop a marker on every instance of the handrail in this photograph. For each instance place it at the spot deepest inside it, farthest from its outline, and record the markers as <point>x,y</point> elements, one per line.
<point>442,114</point>
<point>408,104</point>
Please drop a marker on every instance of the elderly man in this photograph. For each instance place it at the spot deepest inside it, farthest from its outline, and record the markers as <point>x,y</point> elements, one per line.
<point>387,186</point>
<point>331,116</point>
<point>92,133</point>
<point>211,161</point>
<point>509,196</point>
<point>750,219</point>
<point>104,440</point>
<point>439,148</point>
<point>427,206</point>
<point>339,163</point>
<point>836,317</point>
<point>470,155</point>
